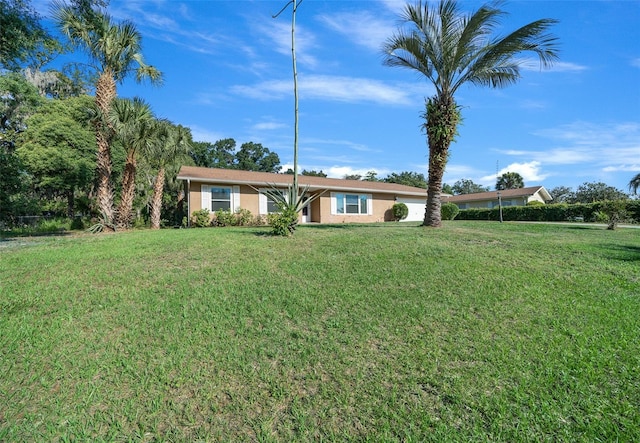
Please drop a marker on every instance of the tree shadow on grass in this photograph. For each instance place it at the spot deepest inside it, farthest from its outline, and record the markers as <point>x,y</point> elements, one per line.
<point>625,252</point>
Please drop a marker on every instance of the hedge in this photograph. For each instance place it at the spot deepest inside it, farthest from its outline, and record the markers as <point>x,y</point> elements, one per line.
<point>556,212</point>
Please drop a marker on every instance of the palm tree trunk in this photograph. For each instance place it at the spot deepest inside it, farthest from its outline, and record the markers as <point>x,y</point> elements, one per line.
<point>123,214</point>
<point>105,93</point>
<point>442,116</point>
<point>156,199</point>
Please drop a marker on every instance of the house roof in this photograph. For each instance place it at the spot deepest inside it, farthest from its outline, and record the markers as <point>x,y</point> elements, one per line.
<point>235,176</point>
<point>506,193</point>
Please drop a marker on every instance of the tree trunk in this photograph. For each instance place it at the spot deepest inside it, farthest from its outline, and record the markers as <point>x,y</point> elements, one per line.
<point>70,204</point>
<point>123,214</point>
<point>156,199</point>
<point>105,93</point>
<point>442,117</point>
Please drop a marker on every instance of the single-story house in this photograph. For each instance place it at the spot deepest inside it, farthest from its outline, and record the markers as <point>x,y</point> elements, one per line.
<point>341,201</point>
<point>509,197</point>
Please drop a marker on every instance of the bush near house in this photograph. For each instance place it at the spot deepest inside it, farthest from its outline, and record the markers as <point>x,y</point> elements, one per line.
<point>557,212</point>
<point>400,211</point>
<point>449,211</point>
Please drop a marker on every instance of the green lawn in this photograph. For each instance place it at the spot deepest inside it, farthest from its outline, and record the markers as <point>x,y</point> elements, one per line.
<point>474,332</point>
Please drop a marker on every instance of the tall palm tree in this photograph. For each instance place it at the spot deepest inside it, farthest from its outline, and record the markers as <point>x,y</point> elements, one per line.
<point>115,51</point>
<point>634,184</point>
<point>451,48</point>
<point>509,180</point>
<point>169,144</point>
<point>132,123</point>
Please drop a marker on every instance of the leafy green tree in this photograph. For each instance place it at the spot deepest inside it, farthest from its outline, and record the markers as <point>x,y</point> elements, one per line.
<point>115,50</point>
<point>220,154</point>
<point>451,48</point>
<point>18,100</point>
<point>371,176</point>
<point>12,185</point>
<point>352,177</point>
<point>132,121</point>
<point>561,194</point>
<point>590,192</point>
<point>634,184</point>
<point>168,148</point>
<point>466,186</point>
<point>509,180</point>
<point>20,33</point>
<point>58,149</point>
<point>255,157</point>
<point>311,173</point>
<point>407,178</point>
<point>314,173</point>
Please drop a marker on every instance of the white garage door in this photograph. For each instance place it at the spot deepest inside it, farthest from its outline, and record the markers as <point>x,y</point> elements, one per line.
<point>416,208</point>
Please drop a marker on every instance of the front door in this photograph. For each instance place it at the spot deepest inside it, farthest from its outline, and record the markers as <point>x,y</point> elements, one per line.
<point>306,214</point>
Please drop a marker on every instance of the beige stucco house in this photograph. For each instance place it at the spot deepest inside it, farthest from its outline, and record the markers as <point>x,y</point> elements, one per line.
<point>509,197</point>
<point>342,201</point>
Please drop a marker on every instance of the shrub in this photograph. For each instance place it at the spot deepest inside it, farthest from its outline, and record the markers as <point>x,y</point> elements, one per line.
<point>223,217</point>
<point>200,219</point>
<point>244,217</point>
<point>283,223</point>
<point>400,211</point>
<point>614,211</point>
<point>77,224</point>
<point>535,203</point>
<point>449,211</point>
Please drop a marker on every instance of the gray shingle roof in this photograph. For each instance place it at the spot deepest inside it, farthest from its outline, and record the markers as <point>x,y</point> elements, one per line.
<point>235,176</point>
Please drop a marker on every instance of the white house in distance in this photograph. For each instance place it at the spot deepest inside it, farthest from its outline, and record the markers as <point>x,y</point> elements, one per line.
<point>509,197</point>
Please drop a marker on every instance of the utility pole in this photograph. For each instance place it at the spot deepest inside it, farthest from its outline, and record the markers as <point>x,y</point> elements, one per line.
<point>499,197</point>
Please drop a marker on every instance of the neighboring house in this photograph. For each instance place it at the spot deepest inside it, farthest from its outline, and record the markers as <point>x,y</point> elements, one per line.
<point>342,201</point>
<point>509,197</point>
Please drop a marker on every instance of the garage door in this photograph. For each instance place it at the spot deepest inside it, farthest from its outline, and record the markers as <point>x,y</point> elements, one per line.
<point>416,208</point>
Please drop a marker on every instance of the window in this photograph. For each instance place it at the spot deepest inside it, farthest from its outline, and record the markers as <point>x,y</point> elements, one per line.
<point>217,197</point>
<point>267,205</point>
<point>352,203</point>
<point>220,199</point>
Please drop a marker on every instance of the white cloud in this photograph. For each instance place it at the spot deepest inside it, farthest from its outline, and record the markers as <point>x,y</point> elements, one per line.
<point>341,171</point>
<point>532,64</point>
<point>529,171</point>
<point>279,32</point>
<point>200,134</point>
<point>623,168</point>
<point>333,88</point>
<point>364,28</point>
<point>396,6</point>
<point>268,126</point>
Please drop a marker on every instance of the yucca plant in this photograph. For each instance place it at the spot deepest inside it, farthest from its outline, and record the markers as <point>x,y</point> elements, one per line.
<point>290,204</point>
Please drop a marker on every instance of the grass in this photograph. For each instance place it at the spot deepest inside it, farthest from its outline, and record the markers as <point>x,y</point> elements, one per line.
<point>474,332</point>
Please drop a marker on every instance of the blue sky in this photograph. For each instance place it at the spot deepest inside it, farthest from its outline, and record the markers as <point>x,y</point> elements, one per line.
<point>227,73</point>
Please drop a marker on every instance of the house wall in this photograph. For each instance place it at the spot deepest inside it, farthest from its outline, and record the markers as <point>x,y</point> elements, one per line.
<point>381,204</point>
<point>320,208</point>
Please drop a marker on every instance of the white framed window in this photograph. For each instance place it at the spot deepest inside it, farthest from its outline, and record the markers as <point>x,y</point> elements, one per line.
<point>351,204</point>
<point>220,197</point>
<point>266,203</point>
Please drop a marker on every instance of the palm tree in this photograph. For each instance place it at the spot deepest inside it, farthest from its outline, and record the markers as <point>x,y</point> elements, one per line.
<point>132,122</point>
<point>509,180</point>
<point>451,48</point>
<point>170,144</point>
<point>634,184</point>
<point>115,50</point>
